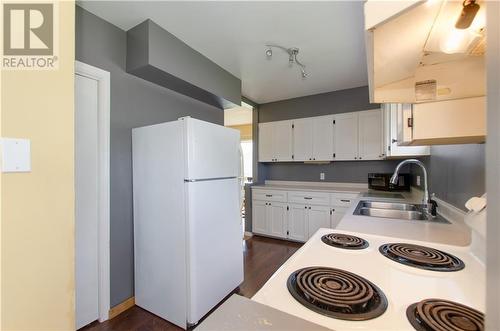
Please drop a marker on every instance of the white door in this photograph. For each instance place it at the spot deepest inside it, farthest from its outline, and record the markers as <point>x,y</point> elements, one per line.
<point>303,139</point>
<point>266,142</point>
<point>323,138</point>
<point>297,222</point>
<point>371,135</point>
<point>215,266</point>
<point>345,137</point>
<point>277,219</point>
<point>319,217</point>
<point>337,214</point>
<point>259,216</point>
<point>86,203</point>
<point>282,140</point>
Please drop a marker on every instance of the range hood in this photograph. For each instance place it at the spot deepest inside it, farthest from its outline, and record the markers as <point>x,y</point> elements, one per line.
<point>416,54</point>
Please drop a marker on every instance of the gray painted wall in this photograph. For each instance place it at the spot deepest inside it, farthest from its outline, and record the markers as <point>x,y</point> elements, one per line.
<point>456,172</point>
<point>134,102</point>
<point>336,102</point>
<point>158,56</point>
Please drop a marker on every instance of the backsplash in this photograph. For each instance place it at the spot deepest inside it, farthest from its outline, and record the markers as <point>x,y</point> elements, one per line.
<point>456,172</point>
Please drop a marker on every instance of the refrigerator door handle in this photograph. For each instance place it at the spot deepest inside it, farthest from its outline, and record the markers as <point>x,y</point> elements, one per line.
<point>207,179</point>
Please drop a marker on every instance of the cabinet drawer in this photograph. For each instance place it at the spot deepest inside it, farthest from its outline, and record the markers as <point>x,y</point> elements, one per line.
<point>269,195</point>
<point>309,198</point>
<point>343,199</point>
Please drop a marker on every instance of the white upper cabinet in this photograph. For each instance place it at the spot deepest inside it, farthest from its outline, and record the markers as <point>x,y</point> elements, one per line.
<point>345,136</point>
<point>282,140</point>
<point>275,141</point>
<point>392,149</point>
<point>303,139</point>
<point>342,137</point>
<point>266,153</point>
<point>322,138</point>
<point>370,135</point>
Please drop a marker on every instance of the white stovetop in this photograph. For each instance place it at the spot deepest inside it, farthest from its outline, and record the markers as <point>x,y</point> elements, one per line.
<point>402,285</point>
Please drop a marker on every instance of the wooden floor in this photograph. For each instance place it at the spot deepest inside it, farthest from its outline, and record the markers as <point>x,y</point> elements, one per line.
<point>263,256</point>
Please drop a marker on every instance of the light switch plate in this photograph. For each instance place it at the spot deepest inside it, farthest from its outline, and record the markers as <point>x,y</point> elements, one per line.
<point>15,154</point>
<point>321,176</point>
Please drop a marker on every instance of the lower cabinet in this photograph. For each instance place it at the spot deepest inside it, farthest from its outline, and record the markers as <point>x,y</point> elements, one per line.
<point>337,214</point>
<point>296,221</point>
<point>277,219</point>
<point>318,217</point>
<point>270,218</point>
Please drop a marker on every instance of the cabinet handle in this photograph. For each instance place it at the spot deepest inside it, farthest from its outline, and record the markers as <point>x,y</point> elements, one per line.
<point>305,207</point>
<point>345,200</point>
<point>269,195</point>
<point>309,207</point>
<point>307,198</point>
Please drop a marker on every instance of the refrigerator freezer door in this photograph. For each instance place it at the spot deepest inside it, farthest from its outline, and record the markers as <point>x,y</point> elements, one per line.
<point>212,150</point>
<point>215,266</point>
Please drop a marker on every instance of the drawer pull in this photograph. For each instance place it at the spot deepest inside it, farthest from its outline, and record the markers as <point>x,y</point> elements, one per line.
<point>269,195</point>
<point>307,198</point>
<point>345,200</point>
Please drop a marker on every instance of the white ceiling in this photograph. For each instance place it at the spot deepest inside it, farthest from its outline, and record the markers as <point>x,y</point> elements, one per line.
<point>233,35</point>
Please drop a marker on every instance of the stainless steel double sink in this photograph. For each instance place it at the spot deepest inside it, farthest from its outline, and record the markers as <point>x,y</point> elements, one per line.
<point>395,210</point>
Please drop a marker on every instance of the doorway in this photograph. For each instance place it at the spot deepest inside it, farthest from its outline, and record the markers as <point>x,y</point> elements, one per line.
<point>92,108</point>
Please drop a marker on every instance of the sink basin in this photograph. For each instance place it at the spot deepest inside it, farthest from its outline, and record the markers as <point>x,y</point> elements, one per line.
<point>393,213</point>
<point>395,210</point>
<point>388,205</point>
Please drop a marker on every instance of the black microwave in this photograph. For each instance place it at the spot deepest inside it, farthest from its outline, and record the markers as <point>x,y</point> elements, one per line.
<point>381,182</point>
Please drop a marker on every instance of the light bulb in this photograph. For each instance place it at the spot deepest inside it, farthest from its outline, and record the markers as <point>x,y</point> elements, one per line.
<point>456,41</point>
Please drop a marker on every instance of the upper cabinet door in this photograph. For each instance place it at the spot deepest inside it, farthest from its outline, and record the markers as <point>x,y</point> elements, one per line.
<point>322,134</point>
<point>266,142</point>
<point>303,139</point>
<point>345,136</point>
<point>282,140</point>
<point>371,139</point>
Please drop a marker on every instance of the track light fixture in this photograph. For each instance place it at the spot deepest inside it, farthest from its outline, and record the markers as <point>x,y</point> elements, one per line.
<point>292,52</point>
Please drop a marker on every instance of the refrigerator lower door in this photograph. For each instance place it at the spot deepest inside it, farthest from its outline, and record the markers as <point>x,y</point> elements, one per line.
<point>215,258</point>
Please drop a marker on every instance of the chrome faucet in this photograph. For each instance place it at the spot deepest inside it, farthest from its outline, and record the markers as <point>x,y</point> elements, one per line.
<point>429,205</point>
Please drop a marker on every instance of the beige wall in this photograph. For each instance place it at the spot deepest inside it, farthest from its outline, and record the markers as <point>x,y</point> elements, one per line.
<point>37,224</point>
<point>245,131</point>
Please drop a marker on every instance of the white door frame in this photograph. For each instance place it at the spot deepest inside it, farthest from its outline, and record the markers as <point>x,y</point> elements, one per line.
<point>103,79</point>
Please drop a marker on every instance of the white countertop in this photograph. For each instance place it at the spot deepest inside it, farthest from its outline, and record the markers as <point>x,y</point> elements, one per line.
<point>457,233</point>
<point>313,187</point>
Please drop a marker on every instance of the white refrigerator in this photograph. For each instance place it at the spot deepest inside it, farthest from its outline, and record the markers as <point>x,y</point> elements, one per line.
<point>187,223</point>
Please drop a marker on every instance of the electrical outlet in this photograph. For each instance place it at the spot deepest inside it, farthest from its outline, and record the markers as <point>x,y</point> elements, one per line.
<point>418,180</point>
<point>321,176</point>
